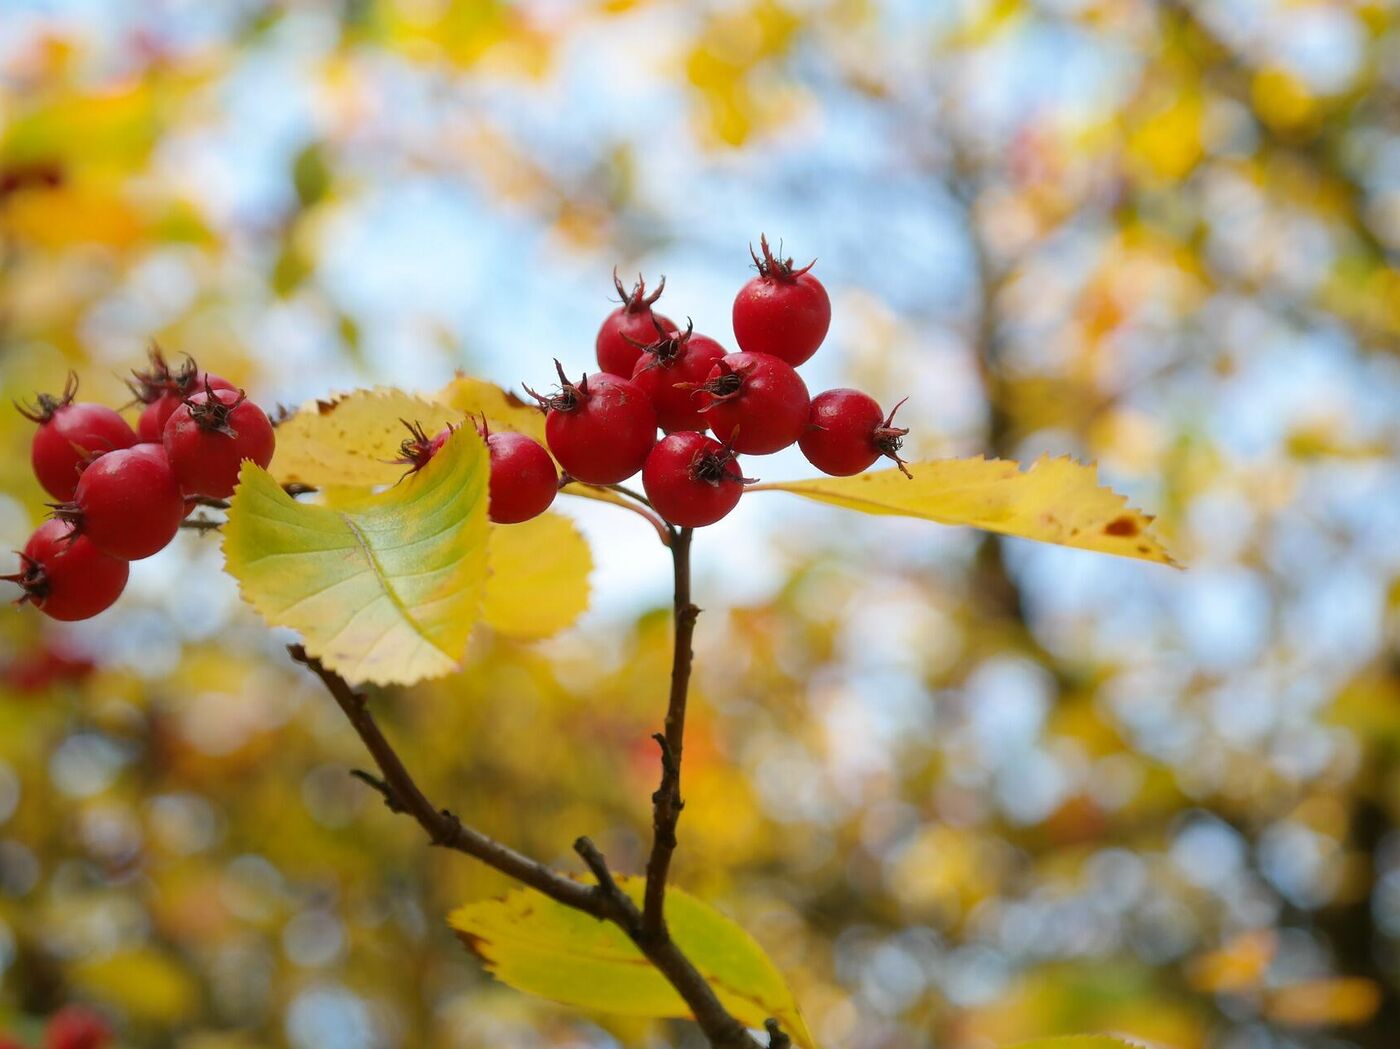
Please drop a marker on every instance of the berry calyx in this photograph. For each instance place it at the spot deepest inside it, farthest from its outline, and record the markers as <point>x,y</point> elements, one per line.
<point>162,389</point>
<point>847,432</point>
<point>692,480</point>
<point>418,448</point>
<point>668,372</point>
<point>755,402</point>
<point>210,435</point>
<point>629,327</point>
<point>523,478</point>
<point>70,435</point>
<point>784,311</point>
<point>65,576</point>
<point>127,502</point>
<point>76,1027</point>
<point>600,428</point>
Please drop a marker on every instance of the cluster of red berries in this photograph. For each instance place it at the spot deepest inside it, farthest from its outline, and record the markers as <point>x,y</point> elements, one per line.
<point>122,492</point>
<point>602,429</point>
<point>72,1027</point>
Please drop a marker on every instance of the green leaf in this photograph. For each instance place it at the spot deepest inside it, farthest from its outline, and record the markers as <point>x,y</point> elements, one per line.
<point>539,577</point>
<point>544,948</point>
<point>1054,501</point>
<point>1077,1041</point>
<point>383,589</point>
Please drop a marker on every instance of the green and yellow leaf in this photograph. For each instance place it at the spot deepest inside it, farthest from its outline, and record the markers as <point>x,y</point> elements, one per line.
<point>1054,501</point>
<point>385,589</point>
<point>544,948</point>
<point>539,577</point>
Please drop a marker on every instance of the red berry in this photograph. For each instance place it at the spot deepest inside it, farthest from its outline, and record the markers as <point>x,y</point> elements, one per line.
<point>670,369</point>
<point>783,311</point>
<point>629,327</point>
<point>69,435</point>
<point>76,1027</point>
<point>692,480</point>
<point>6,1042</point>
<point>523,478</point>
<point>846,432</point>
<point>418,448</point>
<point>127,502</point>
<point>162,389</point>
<point>754,402</point>
<point>65,576</point>
<point>209,436</point>
<point>600,428</point>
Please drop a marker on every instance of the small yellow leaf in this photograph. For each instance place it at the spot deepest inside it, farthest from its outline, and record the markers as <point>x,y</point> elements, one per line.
<point>143,983</point>
<point>544,948</point>
<point>472,398</point>
<point>1078,1041</point>
<point>384,589</point>
<point>1054,501</point>
<point>1340,1001</point>
<point>353,439</point>
<point>539,577</point>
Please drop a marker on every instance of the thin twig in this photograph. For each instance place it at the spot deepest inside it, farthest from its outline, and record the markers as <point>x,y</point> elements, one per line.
<point>631,501</point>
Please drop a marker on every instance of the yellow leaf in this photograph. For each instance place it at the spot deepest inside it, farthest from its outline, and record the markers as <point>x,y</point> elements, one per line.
<point>544,948</point>
<point>1054,501</point>
<point>144,983</point>
<point>471,398</point>
<point>353,439</point>
<point>1238,966</point>
<point>1077,1041</point>
<point>384,589</point>
<point>539,577</point>
<point>1343,1000</point>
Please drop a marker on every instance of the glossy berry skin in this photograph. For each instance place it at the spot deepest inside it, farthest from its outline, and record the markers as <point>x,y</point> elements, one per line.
<point>600,429</point>
<point>783,311</point>
<point>68,435</point>
<point>755,403</point>
<point>65,576</point>
<point>151,426</point>
<point>76,1027</point>
<point>208,437</point>
<point>523,479</point>
<point>692,480</point>
<point>128,502</point>
<point>668,372</point>
<point>628,328</point>
<point>840,437</point>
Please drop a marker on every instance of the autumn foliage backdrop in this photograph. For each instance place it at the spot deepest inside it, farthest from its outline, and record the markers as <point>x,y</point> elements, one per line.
<point>963,790</point>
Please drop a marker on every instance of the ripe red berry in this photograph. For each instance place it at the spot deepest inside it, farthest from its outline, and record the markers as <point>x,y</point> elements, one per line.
<point>669,370</point>
<point>69,435</point>
<point>629,327</point>
<point>127,502</point>
<point>754,402</point>
<point>65,576</point>
<point>163,389</point>
<point>692,480</point>
<point>846,432</point>
<point>76,1027</point>
<point>783,311</point>
<point>600,428</point>
<point>209,436</point>
<point>523,479</point>
<point>418,448</point>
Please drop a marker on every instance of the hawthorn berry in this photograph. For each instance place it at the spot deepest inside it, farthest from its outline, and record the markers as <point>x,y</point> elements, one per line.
<point>69,435</point>
<point>523,479</point>
<point>209,436</point>
<point>846,432</point>
<point>754,402</point>
<point>629,327</point>
<point>669,370</point>
<point>76,1027</point>
<point>692,480</point>
<point>127,502</point>
<point>418,448</point>
<point>162,389</point>
<point>600,428</point>
<point>783,311</point>
<point>65,576</point>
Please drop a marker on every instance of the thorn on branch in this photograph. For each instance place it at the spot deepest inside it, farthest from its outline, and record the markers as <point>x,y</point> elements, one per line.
<point>776,1038</point>
<point>624,911</point>
<point>391,802</point>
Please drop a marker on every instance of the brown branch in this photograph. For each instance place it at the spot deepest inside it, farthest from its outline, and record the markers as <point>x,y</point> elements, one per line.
<point>606,900</point>
<point>667,802</point>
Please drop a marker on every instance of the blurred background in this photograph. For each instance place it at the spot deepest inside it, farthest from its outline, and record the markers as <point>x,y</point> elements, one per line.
<point>964,790</point>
